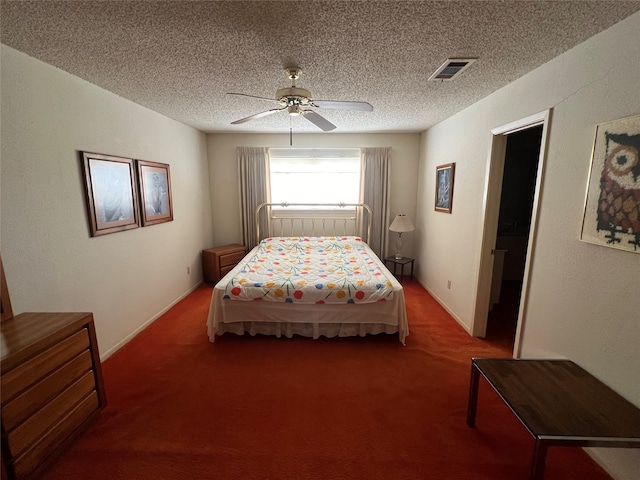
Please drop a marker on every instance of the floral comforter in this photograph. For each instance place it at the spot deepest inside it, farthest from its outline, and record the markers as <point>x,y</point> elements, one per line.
<point>310,270</point>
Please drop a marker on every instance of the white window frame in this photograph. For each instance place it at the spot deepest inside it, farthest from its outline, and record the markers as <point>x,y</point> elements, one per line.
<point>316,153</point>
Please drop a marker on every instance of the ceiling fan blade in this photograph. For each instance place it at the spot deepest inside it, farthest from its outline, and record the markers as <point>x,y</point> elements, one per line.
<point>252,96</point>
<point>339,105</point>
<point>321,122</point>
<point>258,115</point>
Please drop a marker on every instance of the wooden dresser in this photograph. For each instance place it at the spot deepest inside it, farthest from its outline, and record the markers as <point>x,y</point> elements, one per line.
<point>51,387</point>
<point>218,261</point>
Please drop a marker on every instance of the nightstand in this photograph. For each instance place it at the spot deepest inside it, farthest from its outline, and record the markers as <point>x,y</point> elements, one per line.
<point>218,261</point>
<point>401,262</point>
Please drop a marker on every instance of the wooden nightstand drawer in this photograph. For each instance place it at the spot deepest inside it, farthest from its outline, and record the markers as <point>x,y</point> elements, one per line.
<point>231,259</point>
<point>225,270</point>
<point>218,261</point>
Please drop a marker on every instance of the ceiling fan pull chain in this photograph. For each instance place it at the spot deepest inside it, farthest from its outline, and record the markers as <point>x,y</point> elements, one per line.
<point>290,133</point>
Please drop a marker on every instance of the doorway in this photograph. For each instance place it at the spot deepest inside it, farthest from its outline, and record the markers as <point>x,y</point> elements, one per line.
<point>512,196</point>
<point>512,236</point>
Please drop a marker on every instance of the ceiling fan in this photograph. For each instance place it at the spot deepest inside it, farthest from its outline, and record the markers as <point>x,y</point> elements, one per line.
<point>298,101</point>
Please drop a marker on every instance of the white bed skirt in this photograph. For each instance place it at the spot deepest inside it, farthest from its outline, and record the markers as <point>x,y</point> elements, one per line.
<point>311,330</point>
<point>329,320</point>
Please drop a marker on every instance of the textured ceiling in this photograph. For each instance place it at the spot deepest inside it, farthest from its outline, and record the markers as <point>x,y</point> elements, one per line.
<point>180,57</point>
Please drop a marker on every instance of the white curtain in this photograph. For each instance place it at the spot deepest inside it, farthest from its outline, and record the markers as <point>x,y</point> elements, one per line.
<point>375,193</point>
<point>253,168</point>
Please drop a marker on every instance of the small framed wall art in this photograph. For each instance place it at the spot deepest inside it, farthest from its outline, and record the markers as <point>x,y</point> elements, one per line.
<point>111,193</point>
<point>611,215</point>
<point>444,187</point>
<point>155,192</point>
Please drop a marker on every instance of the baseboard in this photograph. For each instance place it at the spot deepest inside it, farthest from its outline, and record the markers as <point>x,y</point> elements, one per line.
<point>119,345</point>
<point>595,455</point>
<point>444,305</point>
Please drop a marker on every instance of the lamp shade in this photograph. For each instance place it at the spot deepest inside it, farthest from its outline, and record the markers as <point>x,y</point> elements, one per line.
<point>401,224</point>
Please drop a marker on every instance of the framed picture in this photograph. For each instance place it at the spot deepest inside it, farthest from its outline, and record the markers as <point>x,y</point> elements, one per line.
<point>444,187</point>
<point>612,206</point>
<point>111,193</point>
<point>155,192</point>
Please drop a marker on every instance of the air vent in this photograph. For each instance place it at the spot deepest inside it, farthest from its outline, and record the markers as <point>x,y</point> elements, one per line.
<point>452,68</point>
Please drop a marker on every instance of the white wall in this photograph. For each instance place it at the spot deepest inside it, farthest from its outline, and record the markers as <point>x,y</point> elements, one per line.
<point>52,264</point>
<point>583,300</point>
<point>223,171</point>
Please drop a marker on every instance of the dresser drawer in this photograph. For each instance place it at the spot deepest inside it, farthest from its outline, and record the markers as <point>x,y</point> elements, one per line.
<point>65,428</point>
<point>51,387</point>
<point>231,259</point>
<point>16,410</point>
<point>20,378</point>
<point>44,419</point>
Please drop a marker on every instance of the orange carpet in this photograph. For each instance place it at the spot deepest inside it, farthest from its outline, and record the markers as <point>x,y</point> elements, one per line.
<point>267,408</point>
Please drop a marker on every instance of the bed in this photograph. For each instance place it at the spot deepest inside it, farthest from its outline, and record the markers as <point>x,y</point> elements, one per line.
<point>328,282</point>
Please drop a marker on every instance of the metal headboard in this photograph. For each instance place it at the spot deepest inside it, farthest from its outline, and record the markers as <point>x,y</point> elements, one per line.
<point>309,219</point>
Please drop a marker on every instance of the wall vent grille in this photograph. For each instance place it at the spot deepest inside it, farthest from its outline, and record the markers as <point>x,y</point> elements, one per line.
<point>451,69</point>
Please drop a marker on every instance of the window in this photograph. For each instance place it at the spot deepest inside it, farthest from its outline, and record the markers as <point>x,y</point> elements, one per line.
<point>315,175</point>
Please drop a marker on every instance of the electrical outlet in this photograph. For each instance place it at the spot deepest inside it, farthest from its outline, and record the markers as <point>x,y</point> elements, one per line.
<point>188,270</point>
<point>449,284</point>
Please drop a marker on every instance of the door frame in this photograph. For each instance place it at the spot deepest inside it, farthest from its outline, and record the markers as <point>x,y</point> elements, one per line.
<point>491,213</point>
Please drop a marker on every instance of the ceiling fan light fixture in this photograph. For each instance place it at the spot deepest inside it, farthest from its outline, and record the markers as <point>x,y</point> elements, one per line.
<point>294,110</point>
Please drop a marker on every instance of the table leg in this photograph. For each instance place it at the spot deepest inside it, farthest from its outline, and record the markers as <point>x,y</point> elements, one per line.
<point>473,396</point>
<point>394,268</point>
<point>412,269</point>
<point>538,461</point>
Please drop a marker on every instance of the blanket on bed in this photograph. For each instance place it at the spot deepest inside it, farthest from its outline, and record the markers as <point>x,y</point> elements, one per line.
<point>310,270</point>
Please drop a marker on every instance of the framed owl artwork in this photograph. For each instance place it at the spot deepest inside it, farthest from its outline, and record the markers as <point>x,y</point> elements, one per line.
<point>612,207</point>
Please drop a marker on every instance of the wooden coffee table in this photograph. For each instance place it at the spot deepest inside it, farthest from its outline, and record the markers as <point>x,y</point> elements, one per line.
<point>559,403</point>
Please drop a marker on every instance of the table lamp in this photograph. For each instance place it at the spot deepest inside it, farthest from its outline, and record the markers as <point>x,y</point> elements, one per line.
<point>400,225</point>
